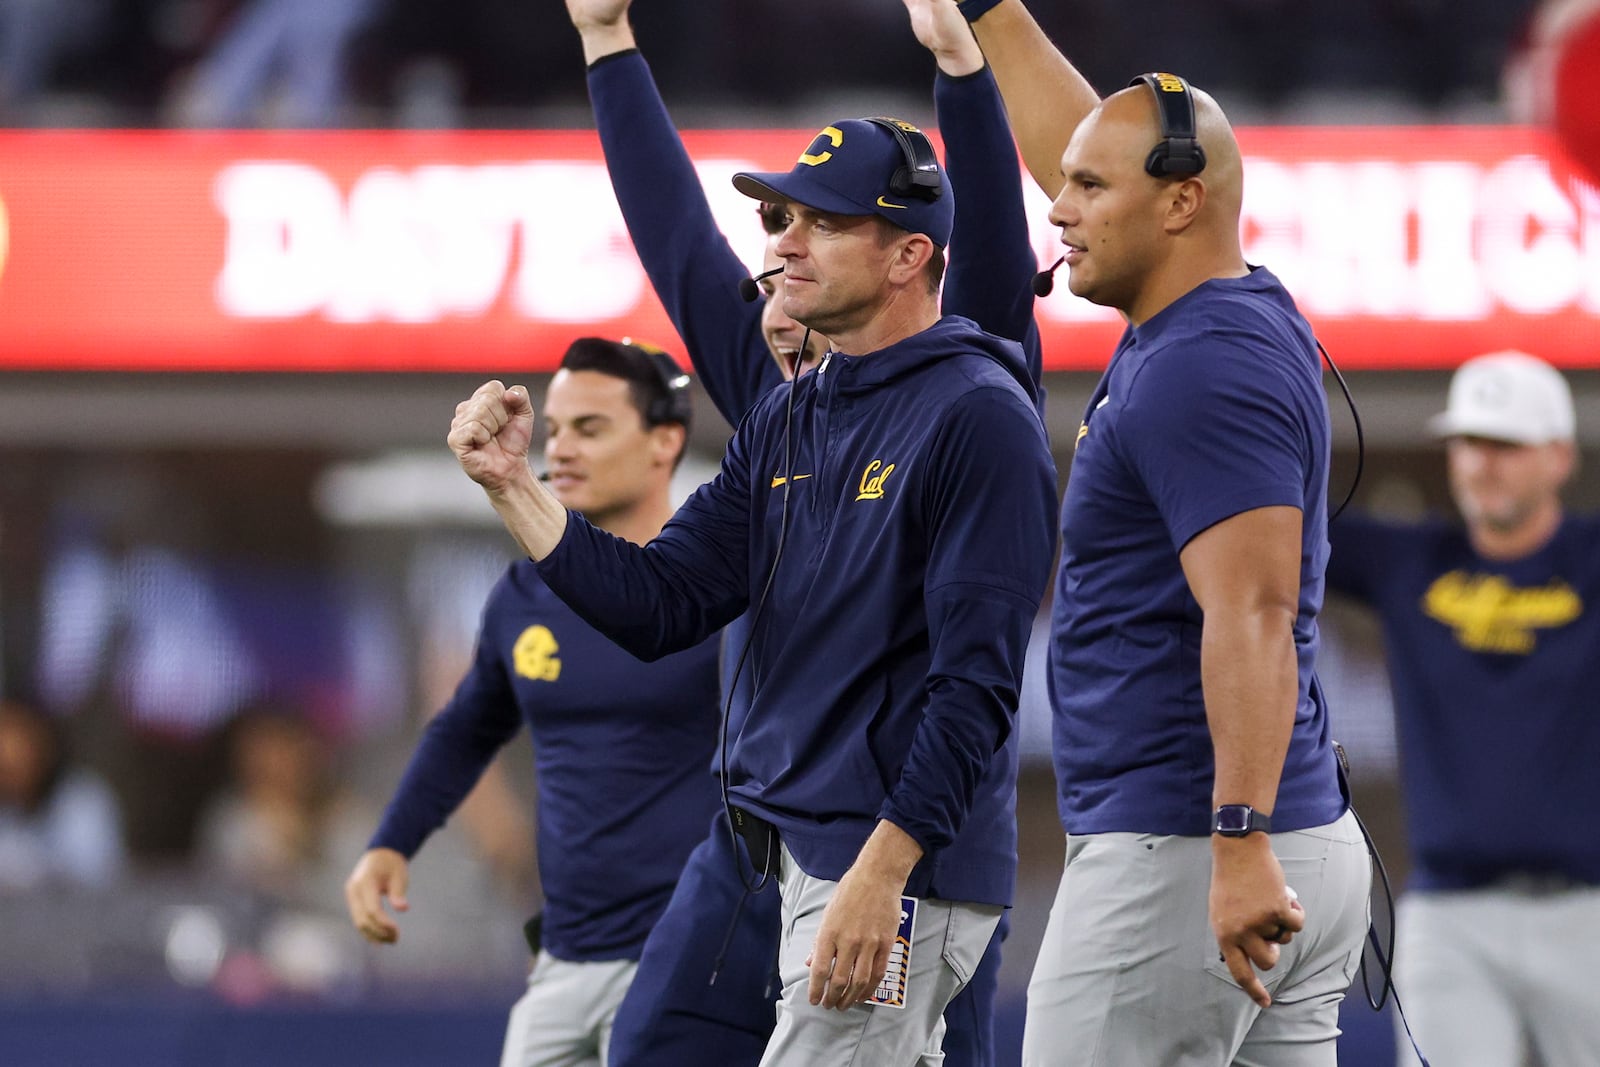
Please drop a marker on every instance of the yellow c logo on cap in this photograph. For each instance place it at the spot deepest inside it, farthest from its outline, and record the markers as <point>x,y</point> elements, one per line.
<point>835,138</point>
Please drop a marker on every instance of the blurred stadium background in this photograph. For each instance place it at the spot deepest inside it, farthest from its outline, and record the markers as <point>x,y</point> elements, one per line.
<point>238,568</point>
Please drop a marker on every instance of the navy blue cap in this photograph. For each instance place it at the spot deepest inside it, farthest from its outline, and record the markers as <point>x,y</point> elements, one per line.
<point>850,168</point>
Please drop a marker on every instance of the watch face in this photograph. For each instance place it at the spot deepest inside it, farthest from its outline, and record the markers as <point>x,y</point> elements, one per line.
<point>1232,819</point>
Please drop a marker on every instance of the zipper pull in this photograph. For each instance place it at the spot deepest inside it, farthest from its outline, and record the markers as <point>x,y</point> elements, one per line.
<point>822,368</point>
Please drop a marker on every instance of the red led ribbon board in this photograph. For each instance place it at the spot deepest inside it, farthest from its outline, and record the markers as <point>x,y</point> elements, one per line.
<point>488,252</point>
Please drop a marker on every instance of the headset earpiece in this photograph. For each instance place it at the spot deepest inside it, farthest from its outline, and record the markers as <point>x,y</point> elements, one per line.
<point>1178,154</point>
<point>919,177</point>
<point>673,402</point>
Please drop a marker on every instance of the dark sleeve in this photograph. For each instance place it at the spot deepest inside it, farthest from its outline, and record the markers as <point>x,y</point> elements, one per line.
<point>678,590</point>
<point>455,749</point>
<point>991,266</point>
<point>1361,550</point>
<point>1212,436</point>
<point>690,264</point>
<point>991,522</point>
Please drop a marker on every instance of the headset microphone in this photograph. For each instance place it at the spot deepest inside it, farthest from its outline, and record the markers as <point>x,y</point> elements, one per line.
<point>748,287</point>
<point>1045,281</point>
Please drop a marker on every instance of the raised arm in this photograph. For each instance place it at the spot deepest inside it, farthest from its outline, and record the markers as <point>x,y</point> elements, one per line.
<point>1044,94</point>
<point>690,264</point>
<point>991,257</point>
<point>1361,552</point>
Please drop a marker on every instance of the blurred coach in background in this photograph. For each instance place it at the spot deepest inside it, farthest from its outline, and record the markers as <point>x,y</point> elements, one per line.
<point>1492,636</point>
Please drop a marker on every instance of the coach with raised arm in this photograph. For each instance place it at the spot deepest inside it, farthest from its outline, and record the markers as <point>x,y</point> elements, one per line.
<point>888,519</point>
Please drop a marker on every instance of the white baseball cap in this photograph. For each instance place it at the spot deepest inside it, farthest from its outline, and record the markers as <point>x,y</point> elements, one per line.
<point>1507,396</point>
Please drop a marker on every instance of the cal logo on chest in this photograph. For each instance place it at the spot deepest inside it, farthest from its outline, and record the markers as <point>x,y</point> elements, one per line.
<point>874,479</point>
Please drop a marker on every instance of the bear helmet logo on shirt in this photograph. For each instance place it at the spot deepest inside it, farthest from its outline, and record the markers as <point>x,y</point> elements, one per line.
<point>872,480</point>
<point>534,655</point>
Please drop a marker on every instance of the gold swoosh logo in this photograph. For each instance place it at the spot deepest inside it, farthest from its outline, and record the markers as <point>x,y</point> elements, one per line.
<point>780,479</point>
<point>884,203</point>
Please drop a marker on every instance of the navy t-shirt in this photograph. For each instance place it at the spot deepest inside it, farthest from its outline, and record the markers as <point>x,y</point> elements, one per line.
<point>620,747</point>
<point>1211,408</point>
<point>1495,667</point>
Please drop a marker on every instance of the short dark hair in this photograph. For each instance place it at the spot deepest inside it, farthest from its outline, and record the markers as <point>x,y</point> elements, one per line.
<point>657,385</point>
<point>889,232</point>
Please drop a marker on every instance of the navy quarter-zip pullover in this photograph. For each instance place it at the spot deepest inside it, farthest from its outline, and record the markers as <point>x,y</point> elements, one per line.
<point>914,495</point>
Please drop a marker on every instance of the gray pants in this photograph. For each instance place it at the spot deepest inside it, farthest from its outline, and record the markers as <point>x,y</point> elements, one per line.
<point>1129,971</point>
<point>947,943</point>
<point>565,1017</point>
<point>1488,976</point>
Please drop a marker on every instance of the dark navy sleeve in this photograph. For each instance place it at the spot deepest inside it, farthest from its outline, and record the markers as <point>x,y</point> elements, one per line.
<point>991,260</point>
<point>1362,552</point>
<point>990,275</point>
<point>991,519</point>
<point>682,587</point>
<point>1212,434</point>
<point>693,270</point>
<point>455,749</point>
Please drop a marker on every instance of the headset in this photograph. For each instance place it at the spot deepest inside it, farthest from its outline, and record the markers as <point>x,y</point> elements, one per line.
<point>919,178</point>
<point>1178,154</point>
<point>673,402</point>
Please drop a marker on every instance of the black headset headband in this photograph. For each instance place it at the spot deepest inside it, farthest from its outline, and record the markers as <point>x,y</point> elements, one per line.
<point>1178,154</point>
<point>665,390</point>
<point>919,178</point>
<point>674,403</point>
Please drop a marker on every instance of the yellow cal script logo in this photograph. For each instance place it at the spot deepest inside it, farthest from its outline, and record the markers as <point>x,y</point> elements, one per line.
<point>1489,614</point>
<point>534,655</point>
<point>872,480</point>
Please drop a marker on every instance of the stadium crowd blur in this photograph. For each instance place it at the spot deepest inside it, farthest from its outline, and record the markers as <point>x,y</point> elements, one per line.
<point>382,63</point>
<point>205,685</point>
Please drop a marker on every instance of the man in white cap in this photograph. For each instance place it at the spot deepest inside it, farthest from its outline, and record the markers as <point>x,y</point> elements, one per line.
<point>1492,635</point>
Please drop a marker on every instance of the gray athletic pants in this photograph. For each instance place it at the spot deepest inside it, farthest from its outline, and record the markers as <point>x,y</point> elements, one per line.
<point>949,940</point>
<point>1129,972</point>
<point>564,1019</point>
<point>1488,976</point>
